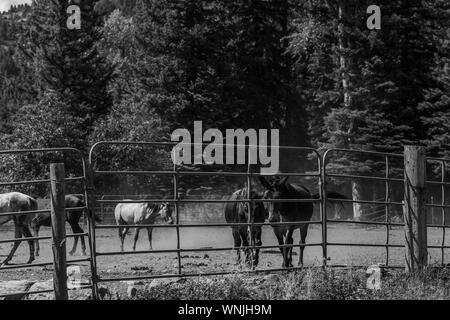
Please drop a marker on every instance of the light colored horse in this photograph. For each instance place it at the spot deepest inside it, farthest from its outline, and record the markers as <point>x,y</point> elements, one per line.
<point>17,202</point>
<point>140,213</point>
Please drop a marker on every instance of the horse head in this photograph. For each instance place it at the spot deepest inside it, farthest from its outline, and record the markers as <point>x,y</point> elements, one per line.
<point>165,212</point>
<point>276,189</point>
<point>259,209</point>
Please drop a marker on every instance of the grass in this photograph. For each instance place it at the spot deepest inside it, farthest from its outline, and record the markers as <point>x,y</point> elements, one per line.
<point>308,284</point>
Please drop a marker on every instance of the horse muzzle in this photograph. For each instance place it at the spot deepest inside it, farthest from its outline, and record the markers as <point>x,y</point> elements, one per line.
<point>169,221</point>
<point>273,219</point>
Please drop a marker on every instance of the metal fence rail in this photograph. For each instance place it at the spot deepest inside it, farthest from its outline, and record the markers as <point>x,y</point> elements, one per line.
<point>176,173</point>
<point>82,178</point>
<point>389,166</point>
<point>443,184</point>
<point>327,158</point>
<point>387,201</point>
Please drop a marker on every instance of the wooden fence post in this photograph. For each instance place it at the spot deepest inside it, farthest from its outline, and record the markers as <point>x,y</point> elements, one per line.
<point>414,210</point>
<point>58,215</point>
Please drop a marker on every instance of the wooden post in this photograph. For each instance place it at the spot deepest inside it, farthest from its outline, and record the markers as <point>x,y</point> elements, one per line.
<point>58,215</point>
<point>414,210</point>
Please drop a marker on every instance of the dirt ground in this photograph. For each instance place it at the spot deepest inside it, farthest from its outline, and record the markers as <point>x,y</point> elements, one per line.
<point>132,265</point>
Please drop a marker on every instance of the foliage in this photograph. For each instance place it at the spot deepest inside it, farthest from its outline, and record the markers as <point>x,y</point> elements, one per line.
<point>311,69</point>
<point>310,284</point>
<point>131,120</point>
<point>46,124</point>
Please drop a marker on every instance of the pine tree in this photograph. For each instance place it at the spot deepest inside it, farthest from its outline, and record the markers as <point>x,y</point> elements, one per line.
<point>67,61</point>
<point>435,109</point>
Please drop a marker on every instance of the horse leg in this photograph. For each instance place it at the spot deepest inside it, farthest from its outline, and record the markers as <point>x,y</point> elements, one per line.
<point>288,251</point>
<point>35,232</point>
<point>303,234</point>
<point>257,241</point>
<point>122,233</point>
<point>75,238</point>
<point>27,233</point>
<point>237,244</point>
<point>17,235</point>
<point>83,244</point>
<point>136,237</point>
<point>149,232</point>
<point>244,238</point>
<point>120,237</point>
<point>279,234</point>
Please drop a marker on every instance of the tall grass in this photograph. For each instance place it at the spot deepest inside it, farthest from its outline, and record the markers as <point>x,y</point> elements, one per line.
<point>308,284</point>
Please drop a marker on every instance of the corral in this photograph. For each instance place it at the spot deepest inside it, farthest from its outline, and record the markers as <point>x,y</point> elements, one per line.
<point>200,243</point>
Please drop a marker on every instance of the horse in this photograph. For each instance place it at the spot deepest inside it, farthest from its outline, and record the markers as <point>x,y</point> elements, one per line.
<point>290,212</point>
<point>72,217</point>
<point>238,212</point>
<point>17,202</point>
<point>140,213</point>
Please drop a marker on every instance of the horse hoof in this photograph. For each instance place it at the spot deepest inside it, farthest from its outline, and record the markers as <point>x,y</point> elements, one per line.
<point>71,253</point>
<point>84,253</point>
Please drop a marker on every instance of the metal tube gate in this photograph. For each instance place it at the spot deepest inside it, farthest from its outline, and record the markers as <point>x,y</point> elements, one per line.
<point>176,201</point>
<point>78,155</point>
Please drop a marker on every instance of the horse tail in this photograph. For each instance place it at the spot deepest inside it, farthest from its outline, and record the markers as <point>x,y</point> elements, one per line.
<point>33,205</point>
<point>95,216</point>
<point>118,215</point>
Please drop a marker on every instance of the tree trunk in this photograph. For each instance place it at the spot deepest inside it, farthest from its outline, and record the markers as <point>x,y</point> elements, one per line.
<point>356,196</point>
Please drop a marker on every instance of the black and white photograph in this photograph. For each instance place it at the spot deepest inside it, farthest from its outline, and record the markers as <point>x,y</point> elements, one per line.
<point>235,152</point>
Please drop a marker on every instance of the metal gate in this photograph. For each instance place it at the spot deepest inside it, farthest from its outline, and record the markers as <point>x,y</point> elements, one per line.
<point>19,185</point>
<point>354,165</point>
<point>390,169</point>
<point>176,172</point>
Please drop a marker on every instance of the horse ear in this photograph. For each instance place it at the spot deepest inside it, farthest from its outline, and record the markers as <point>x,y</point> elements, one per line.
<point>283,181</point>
<point>265,183</point>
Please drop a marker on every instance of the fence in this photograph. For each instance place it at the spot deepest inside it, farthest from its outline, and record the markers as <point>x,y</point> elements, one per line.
<point>42,181</point>
<point>333,165</point>
<point>176,173</point>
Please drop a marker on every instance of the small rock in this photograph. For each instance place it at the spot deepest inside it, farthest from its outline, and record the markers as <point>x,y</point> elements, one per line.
<point>205,256</point>
<point>159,282</point>
<point>136,268</point>
<point>103,293</point>
<point>8,287</point>
<point>73,277</point>
<point>44,285</point>
<point>270,277</point>
<point>132,291</point>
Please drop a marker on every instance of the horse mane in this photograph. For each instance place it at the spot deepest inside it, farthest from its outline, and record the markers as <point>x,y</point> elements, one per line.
<point>293,189</point>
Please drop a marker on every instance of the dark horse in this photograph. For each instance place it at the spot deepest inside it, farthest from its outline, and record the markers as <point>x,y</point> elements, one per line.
<point>238,212</point>
<point>72,217</point>
<point>290,212</point>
